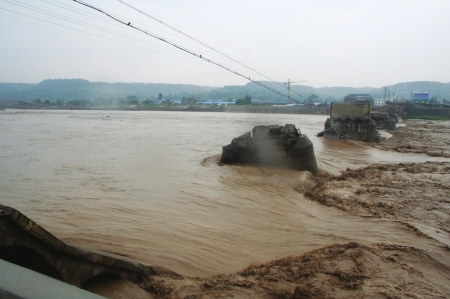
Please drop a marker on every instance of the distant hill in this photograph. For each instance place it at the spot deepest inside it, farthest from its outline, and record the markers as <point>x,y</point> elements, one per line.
<point>11,87</point>
<point>438,89</point>
<point>299,92</point>
<point>79,89</point>
<point>76,89</point>
<point>338,93</point>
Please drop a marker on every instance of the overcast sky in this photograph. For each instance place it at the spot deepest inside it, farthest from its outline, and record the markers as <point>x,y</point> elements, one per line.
<point>327,43</point>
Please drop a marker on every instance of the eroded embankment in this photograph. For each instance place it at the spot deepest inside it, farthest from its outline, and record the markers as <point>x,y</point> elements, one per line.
<point>415,193</point>
<point>419,136</point>
<point>347,270</point>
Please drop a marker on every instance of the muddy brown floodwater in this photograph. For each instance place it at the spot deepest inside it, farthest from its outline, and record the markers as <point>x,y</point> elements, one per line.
<point>147,185</point>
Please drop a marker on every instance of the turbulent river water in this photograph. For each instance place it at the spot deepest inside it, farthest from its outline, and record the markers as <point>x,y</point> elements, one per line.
<point>146,185</point>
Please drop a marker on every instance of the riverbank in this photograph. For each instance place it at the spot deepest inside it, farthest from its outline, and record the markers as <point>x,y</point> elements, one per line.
<point>177,108</point>
<point>430,137</point>
<point>347,270</point>
<point>412,193</point>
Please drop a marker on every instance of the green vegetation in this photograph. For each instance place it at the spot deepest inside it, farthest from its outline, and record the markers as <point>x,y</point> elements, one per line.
<point>247,100</point>
<point>147,102</point>
<point>85,103</point>
<point>311,99</point>
<point>76,89</point>
<point>132,100</point>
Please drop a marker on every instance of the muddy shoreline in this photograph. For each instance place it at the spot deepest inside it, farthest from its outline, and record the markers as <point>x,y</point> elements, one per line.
<point>413,193</point>
<point>416,136</point>
<point>348,270</point>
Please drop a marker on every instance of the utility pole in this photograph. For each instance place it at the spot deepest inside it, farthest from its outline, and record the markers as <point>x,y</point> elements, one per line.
<point>385,89</point>
<point>288,83</point>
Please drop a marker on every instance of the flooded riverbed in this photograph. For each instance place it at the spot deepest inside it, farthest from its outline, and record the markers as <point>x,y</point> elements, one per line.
<point>146,185</point>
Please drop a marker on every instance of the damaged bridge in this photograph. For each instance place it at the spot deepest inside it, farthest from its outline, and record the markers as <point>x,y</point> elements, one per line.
<point>350,121</point>
<point>355,120</point>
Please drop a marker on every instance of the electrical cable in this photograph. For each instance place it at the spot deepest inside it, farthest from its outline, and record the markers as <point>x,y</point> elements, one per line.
<point>60,25</point>
<point>43,11</point>
<point>198,41</point>
<point>55,15</point>
<point>102,20</point>
<point>177,46</point>
<point>85,13</point>
<point>94,16</point>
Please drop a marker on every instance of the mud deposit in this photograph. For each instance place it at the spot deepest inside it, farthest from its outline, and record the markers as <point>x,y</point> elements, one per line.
<point>415,193</point>
<point>337,271</point>
<point>419,136</point>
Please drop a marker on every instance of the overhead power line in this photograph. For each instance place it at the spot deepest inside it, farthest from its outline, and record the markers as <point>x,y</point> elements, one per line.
<point>178,46</point>
<point>95,27</point>
<point>94,15</point>
<point>91,15</point>
<point>97,35</point>
<point>198,41</point>
<point>68,19</point>
<point>92,26</point>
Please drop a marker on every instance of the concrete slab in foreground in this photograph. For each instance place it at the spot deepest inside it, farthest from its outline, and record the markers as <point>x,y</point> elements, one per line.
<point>20,283</point>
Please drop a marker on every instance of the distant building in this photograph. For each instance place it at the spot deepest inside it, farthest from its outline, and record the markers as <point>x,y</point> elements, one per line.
<point>420,97</point>
<point>189,101</point>
<point>379,102</point>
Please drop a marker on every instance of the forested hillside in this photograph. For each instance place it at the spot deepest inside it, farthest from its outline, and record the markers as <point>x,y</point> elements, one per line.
<point>79,89</point>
